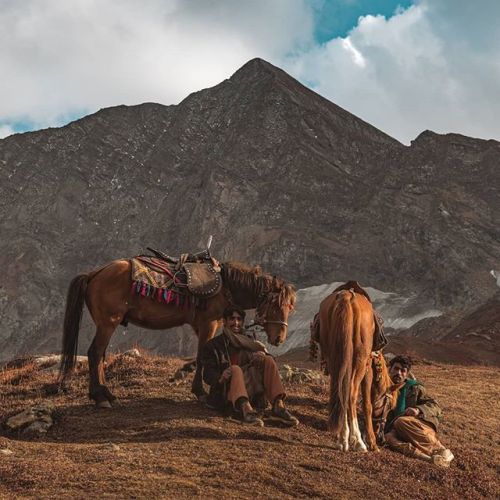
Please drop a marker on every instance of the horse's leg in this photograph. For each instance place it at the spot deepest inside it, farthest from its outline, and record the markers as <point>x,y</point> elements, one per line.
<point>355,439</point>
<point>205,332</point>
<point>366,392</point>
<point>346,431</point>
<point>337,420</point>
<point>97,388</point>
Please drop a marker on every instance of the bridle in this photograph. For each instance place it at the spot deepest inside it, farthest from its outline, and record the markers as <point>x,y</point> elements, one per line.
<point>260,320</point>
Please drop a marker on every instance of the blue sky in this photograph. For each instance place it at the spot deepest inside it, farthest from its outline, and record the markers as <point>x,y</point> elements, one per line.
<point>403,66</point>
<point>336,18</point>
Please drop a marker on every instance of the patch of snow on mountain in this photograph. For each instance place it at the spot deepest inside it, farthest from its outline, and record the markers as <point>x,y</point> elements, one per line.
<point>398,312</point>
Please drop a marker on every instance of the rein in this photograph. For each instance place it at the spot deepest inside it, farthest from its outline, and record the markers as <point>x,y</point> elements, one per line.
<point>261,322</point>
<point>386,402</point>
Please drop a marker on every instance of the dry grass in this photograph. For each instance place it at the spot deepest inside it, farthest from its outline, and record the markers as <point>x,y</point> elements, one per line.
<point>168,445</point>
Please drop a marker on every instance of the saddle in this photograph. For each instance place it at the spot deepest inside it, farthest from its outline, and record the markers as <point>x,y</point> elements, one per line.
<point>186,281</point>
<point>200,257</point>
<point>355,287</point>
<point>203,280</point>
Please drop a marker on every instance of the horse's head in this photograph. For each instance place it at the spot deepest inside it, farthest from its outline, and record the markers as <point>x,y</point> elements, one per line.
<point>272,313</point>
<point>272,297</point>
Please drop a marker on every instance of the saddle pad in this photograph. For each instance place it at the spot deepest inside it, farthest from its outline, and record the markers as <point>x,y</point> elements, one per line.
<point>202,279</point>
<point>152,271</point>
<point>355,286</point>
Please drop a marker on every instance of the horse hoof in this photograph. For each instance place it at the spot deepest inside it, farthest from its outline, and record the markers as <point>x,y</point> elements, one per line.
<point>103,405</point>
<point>202,398</point>
<point>359,447</point>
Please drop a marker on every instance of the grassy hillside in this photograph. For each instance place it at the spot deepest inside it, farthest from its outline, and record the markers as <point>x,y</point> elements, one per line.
<point>161,443</point>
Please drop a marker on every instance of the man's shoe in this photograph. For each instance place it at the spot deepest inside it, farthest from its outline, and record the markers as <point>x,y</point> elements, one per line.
<point>442,457</point>
<point>284,416</point>
<point>252,419</point>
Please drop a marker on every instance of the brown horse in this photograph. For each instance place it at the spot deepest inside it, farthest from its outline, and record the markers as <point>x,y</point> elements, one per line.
<point>107,293</point>
<point>346,332</point>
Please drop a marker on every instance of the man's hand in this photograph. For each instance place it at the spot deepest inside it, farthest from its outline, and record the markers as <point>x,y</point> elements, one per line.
<point>412,412</point>
<point>226,375</point>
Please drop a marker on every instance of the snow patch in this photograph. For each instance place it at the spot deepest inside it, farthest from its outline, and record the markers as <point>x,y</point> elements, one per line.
<point>496,275</point>
<point>398,312</point>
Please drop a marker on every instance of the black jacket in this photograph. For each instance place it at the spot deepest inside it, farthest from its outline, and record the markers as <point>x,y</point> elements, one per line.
<point>215,358</point>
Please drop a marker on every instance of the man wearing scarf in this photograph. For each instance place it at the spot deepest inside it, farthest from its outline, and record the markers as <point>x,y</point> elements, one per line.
<point>412,425</point>
<point>239,370</point>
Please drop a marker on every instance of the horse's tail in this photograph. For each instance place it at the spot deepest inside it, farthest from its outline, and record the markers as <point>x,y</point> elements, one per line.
<point>72,319</point>
<point>313,342</point>
<point>341,359</point>
<point>313,350</point>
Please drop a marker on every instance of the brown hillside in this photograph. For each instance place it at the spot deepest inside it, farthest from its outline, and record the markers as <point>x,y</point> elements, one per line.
<point>161,443</point>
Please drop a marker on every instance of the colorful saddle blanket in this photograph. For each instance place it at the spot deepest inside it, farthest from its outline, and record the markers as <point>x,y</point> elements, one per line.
<point>191,284</point>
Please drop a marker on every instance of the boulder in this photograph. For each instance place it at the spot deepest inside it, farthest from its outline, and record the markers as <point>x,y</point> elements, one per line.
<point>132,353</point>
<point>51,362</point>
<point>294,375</point>
<point>37,419</point>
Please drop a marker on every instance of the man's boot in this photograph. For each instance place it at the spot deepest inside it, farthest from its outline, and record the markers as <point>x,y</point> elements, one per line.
<point>442,457</point>
<point>249,415</point>
<point>281,414</point>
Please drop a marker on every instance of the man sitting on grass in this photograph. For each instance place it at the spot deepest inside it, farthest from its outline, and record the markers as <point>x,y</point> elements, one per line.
<point>240,371</point>
<point>412,425</point>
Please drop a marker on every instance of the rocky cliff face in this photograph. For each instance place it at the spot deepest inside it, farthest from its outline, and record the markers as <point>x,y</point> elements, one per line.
<point>279,175</point>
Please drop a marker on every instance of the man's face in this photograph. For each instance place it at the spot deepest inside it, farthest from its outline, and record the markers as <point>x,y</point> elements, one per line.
<point>398,373</point>
<point>234,322</point>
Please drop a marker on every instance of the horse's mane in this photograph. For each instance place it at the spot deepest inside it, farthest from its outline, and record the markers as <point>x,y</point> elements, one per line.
<point>253,279</point>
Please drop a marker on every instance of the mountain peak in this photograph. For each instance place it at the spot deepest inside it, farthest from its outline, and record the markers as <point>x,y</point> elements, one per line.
<point>259,69</point>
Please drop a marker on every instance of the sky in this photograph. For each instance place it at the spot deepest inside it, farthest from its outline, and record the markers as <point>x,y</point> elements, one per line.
<point>404,66</point>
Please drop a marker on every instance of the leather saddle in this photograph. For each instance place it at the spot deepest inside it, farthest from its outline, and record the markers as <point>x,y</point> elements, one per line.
<point>199,257</point>
<point>203,280</point>
<point>355,287</point>
<point>202,271</point>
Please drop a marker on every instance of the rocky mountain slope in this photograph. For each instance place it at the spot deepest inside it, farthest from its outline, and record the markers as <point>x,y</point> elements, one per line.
<point>281,177</point>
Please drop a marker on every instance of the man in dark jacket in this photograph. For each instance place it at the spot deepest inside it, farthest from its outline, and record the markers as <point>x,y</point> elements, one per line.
<point>412,425</point>
<point>238,370</point>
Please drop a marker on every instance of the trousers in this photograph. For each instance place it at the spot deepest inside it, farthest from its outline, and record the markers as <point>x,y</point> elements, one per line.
<point>413,437</point>
<point>243,381</point>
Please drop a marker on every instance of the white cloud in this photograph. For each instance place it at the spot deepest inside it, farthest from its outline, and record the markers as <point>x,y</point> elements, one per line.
<point>5,131</point>
<point>434,66</point>
<point>424,68</point>
<point>60,58</point>
<point>357,57</point>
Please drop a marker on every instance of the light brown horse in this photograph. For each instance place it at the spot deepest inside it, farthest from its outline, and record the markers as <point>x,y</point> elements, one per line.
<point>107,293</point>
<point>346,332</point>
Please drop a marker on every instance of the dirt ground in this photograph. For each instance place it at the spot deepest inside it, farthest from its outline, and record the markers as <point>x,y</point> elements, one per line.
<point>160,443</point>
